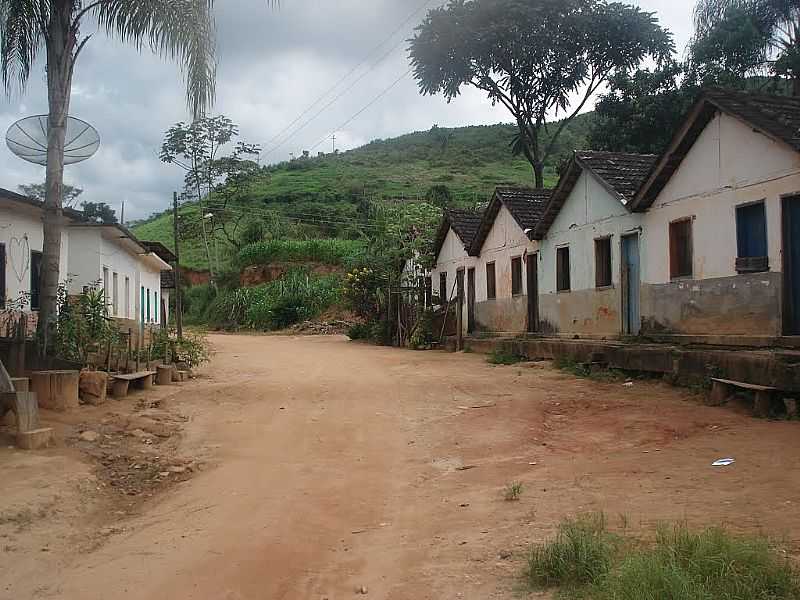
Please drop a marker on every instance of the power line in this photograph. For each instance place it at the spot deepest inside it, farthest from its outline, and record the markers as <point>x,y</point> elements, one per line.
<point>360,112</point>
<point>348,74</point>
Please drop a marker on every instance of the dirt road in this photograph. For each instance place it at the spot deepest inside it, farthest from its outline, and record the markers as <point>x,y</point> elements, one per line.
<point>332,465</point>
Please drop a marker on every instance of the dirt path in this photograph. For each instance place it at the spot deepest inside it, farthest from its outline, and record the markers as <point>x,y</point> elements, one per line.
<point>332,465</point>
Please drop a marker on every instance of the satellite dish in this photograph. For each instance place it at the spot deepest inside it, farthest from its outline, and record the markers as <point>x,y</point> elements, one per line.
<point>27,139</point>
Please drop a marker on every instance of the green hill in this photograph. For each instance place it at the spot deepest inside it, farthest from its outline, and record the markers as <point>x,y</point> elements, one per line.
<point>324,194</point>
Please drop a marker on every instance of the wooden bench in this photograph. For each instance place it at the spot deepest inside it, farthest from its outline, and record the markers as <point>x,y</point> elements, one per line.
<point>143,380</point>
<point>722,389</point>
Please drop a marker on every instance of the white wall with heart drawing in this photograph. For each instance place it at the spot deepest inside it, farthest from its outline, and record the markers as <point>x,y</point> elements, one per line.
<point>21,234</point>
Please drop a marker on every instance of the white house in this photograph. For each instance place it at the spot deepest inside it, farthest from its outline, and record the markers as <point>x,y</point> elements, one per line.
<point>453,240</point>
<point>123,266</point>
<point>507,261</point>
<point>110,255</point>
<point>722,216</point>
<point>589,247</point>
<point>21,241</point>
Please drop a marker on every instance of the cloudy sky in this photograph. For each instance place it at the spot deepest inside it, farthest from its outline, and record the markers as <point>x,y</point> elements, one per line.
<point>273,65</point>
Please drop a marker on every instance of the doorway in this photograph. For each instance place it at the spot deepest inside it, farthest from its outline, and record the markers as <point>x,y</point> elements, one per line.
<point>631,285</point>
<point>791,265</point>
<point>471,300</point>
<point>532,269</point>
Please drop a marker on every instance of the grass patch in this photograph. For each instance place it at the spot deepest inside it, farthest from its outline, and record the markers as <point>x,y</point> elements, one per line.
<point>573,367</point>
<point>503,356</point>
<point>586,561</point>
<point>513,491</point>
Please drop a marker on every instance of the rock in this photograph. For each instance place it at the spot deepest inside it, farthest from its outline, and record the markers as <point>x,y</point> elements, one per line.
<point>93,386</point>
<point>140,433</point>
<point>89,436</point>
<point>505,555</point>
<point>362,590</point>
<point>36,439</point>
<point>177,469</point>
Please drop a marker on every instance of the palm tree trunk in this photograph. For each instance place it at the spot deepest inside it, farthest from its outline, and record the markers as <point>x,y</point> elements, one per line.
<point>59,85</point>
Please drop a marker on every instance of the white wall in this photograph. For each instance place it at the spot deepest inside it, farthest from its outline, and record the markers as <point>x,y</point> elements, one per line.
<point>451,258</point>
<point>21,232</point>
<point>589,213</point>
<point>505,241</point>
<point>728,165</point>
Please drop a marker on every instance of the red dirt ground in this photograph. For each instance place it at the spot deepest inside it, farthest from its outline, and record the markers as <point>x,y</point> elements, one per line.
<point>316,466</point>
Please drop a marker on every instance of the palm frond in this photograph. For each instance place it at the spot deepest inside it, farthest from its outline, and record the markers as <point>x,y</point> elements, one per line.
<point>21,38</point>
<point>182,30</point>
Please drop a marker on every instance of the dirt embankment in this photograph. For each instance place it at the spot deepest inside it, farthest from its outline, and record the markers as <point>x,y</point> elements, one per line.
<point>260,274</point>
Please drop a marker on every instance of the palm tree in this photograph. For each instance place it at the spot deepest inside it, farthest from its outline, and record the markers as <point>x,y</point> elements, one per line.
<point>182,30</point>
<point>752,34</point>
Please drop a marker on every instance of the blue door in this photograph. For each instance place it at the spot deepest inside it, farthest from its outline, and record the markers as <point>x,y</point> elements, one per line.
<point>631,282</point>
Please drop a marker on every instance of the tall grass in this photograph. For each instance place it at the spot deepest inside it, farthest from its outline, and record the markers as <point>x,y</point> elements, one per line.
<point>585,561</point>
<point>331,251</point>
<point>292,299</point>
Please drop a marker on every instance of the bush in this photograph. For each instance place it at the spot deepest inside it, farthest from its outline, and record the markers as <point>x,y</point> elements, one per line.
<point>585,561</point>
<point>360,331</point>
<point>277,305</point>
<point>503,356</point>
<point>331,251</point>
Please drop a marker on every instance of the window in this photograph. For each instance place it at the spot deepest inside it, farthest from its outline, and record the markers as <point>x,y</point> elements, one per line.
<point>36,272</point>
<point>516,276</point>
<point>141,304</point>
<point>428,290</point>
<point>751,238</point>
<point>443,288</point>
<point>156,307</point>
<point>2,276</point>
<point>562,270</point>
<point>127,297</point>
<point>148,306</point>
<point>602,262</point>
<point>680,248</point>
<point>115,294</point>
<point>491,282</point>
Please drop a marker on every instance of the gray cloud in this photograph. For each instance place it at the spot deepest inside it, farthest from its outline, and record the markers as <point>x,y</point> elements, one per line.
<point>272,65</point>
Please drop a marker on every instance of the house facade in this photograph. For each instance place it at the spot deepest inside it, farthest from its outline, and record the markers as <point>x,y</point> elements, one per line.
<point>507,262</point>
<point>721,212</point>
<point>590,246</point>
<point>453,262</point>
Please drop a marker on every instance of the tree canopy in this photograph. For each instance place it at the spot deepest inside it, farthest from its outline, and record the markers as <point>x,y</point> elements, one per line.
<point>534,58</point>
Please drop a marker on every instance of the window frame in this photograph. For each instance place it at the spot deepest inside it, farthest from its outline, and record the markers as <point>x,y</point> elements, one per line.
<point>517,287</point>
<point>560,289</point>
<point>674,275</point>
<point>751,264</point>
<point>491,282</point>
<point>443,288</point>
<point>608,267</point>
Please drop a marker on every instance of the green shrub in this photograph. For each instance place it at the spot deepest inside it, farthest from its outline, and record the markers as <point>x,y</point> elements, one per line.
<point>360,331</point>
<point>330,251</point>
<point>504,356</point>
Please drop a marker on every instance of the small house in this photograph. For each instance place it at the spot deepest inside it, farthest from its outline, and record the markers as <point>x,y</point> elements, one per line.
<point>721,212</point>
<point>589,246</point>
<point>504,282</point>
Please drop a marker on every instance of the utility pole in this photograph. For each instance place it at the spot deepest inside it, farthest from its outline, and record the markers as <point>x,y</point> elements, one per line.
<point>334,143</point>
<point>177,267</point>
<point>122,217</point>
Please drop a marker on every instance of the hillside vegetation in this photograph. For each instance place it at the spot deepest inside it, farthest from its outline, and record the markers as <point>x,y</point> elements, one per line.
<point>324,196</point>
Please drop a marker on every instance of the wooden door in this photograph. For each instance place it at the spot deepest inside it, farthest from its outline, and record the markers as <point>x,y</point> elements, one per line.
<point>533,292</point>
<point>791,265</point>
<point>471,300</point>
<point>631,284</point>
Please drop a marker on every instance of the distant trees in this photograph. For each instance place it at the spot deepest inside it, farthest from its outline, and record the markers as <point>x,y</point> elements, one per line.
<point>99,212</point>
<point>538,59</point>
<point>38,191</point>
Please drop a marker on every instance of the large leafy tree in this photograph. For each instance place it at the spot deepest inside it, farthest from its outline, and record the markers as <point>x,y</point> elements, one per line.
<point>540,59</point>
<point>740,38</point>
<point>39,191</point>
<point>182,30</point>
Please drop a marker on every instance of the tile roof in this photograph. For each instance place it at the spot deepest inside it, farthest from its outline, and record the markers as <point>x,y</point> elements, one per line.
<point>463,222</point>
<point>525,204</point>
<point>777,117</point>
<point>622,174</point>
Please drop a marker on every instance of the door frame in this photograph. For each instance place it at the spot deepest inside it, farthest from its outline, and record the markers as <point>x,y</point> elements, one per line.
<point>789,320</point>
<point>471,300</point>
<point>625,324</point>
<point>532,288</point>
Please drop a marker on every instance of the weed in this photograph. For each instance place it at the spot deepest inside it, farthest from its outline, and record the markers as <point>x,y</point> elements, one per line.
<point>503,356</point>
<point>468,350</point>
<point>584,371</point>
<point>585,561</point>
<point>513,491</point>
<point>331,251</point>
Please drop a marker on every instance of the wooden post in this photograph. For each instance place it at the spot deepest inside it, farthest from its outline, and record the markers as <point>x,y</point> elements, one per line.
<point>177,267</point>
